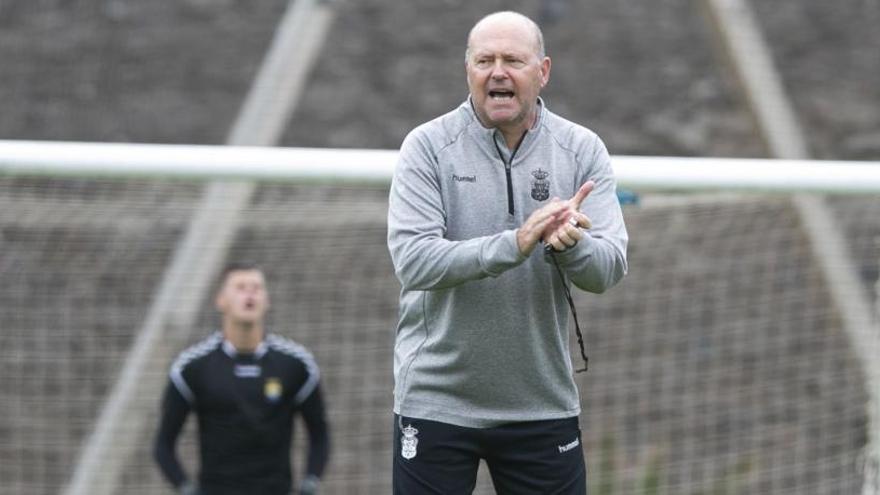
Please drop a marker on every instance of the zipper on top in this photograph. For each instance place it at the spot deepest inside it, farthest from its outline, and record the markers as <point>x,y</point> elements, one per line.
<point>507,164</point>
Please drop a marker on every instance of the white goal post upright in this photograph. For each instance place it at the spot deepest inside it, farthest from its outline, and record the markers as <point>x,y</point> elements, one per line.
<point>739,34</point>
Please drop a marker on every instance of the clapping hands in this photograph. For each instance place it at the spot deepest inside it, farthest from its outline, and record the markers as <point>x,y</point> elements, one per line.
<point>558,224</point>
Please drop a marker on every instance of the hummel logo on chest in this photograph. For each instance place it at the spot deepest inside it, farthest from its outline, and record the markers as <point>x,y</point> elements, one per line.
<point>464,178</point>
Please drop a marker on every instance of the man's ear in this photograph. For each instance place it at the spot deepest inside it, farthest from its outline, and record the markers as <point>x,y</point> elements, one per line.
<point>220,301</point>
<point>545,71</point>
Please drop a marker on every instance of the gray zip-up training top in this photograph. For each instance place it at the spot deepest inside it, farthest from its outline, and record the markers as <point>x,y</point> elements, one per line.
<point>483,332</point>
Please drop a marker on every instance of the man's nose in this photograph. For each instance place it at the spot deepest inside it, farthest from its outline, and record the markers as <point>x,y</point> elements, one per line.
<point>498,71</point>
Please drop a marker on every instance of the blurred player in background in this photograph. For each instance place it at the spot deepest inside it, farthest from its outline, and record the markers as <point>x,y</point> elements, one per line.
<point>245,388</point>
<point>481,363</point>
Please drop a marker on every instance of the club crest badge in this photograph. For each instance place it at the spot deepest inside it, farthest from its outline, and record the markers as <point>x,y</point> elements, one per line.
<point>408,442</point>
<point>540,186</point>
<point>273,389</point>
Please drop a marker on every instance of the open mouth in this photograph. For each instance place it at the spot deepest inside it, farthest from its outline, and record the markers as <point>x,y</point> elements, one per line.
<point>500,94</point>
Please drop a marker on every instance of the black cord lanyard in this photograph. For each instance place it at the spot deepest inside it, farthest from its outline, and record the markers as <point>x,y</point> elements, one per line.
<point>577,327</point>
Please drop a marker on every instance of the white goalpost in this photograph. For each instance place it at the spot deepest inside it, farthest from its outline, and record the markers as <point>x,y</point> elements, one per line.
<point>202,162</point>
<point>729,359</point>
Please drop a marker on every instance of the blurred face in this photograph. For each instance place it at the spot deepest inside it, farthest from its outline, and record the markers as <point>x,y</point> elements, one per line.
<point>242,298</point>
<point>505,72</point>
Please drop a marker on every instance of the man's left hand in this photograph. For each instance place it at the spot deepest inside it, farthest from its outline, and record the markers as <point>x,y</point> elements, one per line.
<point>566,232</point>
<point>309,486</point>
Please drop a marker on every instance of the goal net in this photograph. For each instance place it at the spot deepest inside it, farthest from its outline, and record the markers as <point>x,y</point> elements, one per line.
<point>724,363</point>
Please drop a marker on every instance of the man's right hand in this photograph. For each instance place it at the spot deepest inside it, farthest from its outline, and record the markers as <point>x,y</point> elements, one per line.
<point>189,488</point>
<point>533,229</point>
<point>551,222</point>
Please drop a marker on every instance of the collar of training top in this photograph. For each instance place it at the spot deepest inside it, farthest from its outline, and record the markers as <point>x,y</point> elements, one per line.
<point>232,352</point>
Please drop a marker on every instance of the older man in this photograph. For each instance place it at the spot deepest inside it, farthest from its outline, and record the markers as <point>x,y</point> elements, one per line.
<point>481,363</point>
